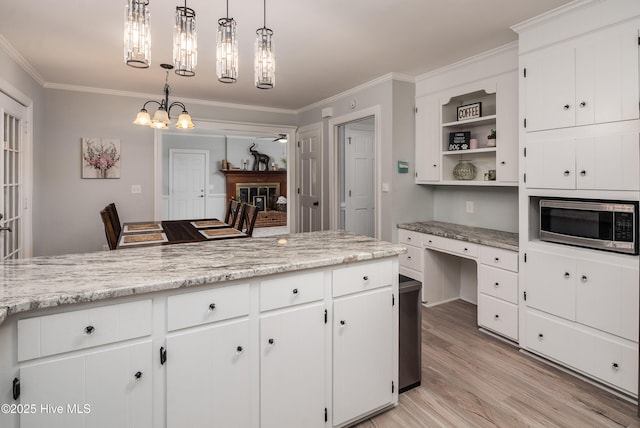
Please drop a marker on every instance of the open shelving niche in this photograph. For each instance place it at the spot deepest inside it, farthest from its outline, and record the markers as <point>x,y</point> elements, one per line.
<point>484,158</point>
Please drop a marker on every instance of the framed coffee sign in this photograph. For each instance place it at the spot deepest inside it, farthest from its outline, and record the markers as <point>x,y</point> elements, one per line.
<point>470,111</point>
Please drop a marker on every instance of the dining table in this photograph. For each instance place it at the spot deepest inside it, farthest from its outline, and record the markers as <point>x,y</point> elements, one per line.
<point>166,232</point>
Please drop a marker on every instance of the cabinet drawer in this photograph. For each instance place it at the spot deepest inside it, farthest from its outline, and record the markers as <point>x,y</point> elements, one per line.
<point>362,276</point>
<point>498,283</point>
<point>499,316</point>
<point>410,237</point>
<point>464,248</point>
<point>499,258</point>
<point>69,331</point>
<point>291,290</point>
<point>202,307</point>
<point>412,259</point>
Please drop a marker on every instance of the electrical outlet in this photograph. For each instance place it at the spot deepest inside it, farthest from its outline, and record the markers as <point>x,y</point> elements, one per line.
<point>470,207</point>
<point>136,188</point>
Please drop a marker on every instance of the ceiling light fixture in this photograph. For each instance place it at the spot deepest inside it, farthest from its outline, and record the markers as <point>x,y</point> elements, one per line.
<point>185,41</point>
<point>227,50</point>
<point>137,34</point>
<point>264,58</point>
<point>161,118</point>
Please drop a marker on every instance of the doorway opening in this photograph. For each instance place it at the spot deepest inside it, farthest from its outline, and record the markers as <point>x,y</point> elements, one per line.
<point>355,164</point>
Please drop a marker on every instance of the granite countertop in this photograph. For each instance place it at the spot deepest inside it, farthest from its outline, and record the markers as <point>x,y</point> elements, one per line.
<point>477,235</point>
<point>43,282</point>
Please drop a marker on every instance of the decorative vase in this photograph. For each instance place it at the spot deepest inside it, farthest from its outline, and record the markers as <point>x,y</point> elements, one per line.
<point>464,170</point>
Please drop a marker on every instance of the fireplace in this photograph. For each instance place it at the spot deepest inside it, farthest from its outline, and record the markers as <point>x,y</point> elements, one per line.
<point>261,188</point>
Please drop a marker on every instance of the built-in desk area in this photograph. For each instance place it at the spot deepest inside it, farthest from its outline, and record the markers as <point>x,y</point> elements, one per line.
<point>463,262</point>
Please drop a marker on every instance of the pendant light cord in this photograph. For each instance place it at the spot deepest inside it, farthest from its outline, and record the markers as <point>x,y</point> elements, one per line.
<point>265,14</point>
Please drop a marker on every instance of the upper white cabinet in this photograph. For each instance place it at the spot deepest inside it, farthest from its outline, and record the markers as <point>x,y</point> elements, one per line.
<point>495,159</point>
<point>589,80</point>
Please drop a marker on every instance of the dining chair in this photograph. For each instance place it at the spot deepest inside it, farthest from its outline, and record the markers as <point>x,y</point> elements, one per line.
<point>233,210</point>
<point>112,237</point>
<point>248,219</point>
<point>115,218</point>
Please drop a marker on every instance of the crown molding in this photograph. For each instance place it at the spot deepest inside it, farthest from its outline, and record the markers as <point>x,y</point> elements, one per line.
<point>559,11</point>
<point>6,47</point>
<point>370,84</point>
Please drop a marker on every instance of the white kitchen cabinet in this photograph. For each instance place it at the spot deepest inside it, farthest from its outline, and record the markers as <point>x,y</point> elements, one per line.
<point>550,283</point>
<point>106,388</point>
<point>592,79</point>
<point>597,162</point>
<point>427,129</point>
<point>363,354</point>
<point>498,291</point>
<point>292,367</point>
<point>208,376</point>
<point>411,261</point>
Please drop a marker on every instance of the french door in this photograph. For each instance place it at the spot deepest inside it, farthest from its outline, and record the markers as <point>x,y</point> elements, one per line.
<point>13,197</point>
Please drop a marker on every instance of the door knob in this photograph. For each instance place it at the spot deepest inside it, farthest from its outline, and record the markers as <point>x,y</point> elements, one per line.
<point>3,228</point>
<point>316,203</point>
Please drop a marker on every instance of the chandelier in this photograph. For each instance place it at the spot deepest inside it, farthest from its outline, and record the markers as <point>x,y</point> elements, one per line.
<point>137,35</point>
<point>265,65</point>
<point>227,50</point>
<point>185,41</point>
<point>161,118</point>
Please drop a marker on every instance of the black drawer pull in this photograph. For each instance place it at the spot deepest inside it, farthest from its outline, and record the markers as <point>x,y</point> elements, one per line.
<point>295,291</point>
<point>271,341</point>
<point>496,317</point>
<point>138,375</point>
<point>540,336</point>
<point>89,329</point>
<point>16,388</point>
<point>366,278</point>
<point>615,366</point>
<point>343,322</point>
<point>163,355</point>
<point>239,349</point>
<point>212,306</point>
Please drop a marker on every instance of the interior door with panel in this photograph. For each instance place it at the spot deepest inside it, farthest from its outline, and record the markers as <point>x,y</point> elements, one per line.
<point>187,183</point>
<point>360,179</point>
<point>310,178</point>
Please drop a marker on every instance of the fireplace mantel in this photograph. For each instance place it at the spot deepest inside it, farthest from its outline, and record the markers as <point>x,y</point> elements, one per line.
<point>235,176</point>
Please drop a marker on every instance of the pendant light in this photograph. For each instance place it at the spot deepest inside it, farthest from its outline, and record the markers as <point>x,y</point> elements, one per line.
<point>227,50</point>
<point>161,118</point>
<point>137,35</point>
<point>265,65</point>
<point>185,41</point>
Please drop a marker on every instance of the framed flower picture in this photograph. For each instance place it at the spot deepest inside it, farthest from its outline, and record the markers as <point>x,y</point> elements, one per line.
<point>100,157</point>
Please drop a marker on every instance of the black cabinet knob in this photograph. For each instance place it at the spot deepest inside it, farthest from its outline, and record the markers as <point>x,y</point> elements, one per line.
<point>138,375</point>
<point>496,285</point>
<point>566,107</point>
<point>366,278</point>
<point>615,366</point>
<point>540,336</point>
<point>496,317</point>
<point>583,172</point>
<point>567,275</point>
<point>566,172</point>
<point>343,322</point>
<point>212,306</point>
<point>239,349</point>
<point>271,341</point>
<point>583,104</point>
<point>295,291</point>
<point>89,329</point>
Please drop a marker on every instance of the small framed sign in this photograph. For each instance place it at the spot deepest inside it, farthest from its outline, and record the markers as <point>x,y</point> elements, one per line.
<point>258,201</point>
<point>459,140</point>
<point>470,111</point>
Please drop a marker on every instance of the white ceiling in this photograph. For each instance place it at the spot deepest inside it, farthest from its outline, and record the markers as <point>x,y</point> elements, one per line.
<point>322,47</point>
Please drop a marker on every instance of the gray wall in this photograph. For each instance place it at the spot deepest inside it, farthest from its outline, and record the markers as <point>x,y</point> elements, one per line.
<point>405,201</point>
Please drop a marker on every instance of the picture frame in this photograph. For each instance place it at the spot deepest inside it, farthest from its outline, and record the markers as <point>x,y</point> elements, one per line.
<point>469,111</point>
<point>259,202</point>
<point>100,157</point>
<point>459,140</point>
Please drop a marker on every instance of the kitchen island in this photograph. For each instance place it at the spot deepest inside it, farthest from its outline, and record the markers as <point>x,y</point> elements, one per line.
<point>295,330</point>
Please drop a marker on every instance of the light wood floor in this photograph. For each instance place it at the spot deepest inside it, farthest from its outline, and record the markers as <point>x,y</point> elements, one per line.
<point>470,379</point>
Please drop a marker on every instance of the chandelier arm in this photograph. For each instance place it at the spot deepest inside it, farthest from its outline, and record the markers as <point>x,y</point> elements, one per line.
<point>176,103</point>
<point>144,107</point>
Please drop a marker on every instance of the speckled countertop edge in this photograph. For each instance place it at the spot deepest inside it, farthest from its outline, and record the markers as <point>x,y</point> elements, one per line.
<point>477,235</point>
<point>43,282</point>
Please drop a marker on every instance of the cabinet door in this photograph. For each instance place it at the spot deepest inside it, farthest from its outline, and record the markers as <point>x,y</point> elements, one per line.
<point>608,162</point>
<point>550,164</point>
<point>507,125</point>
<point>208,377</point>
<point>607,76</point>
<point>551,284</point>
<point>607,298</point>
<point>363,351</point>
<point>550,88</point>
<point>427,139</point>
<point>99,389</point>
<point>292,368</point>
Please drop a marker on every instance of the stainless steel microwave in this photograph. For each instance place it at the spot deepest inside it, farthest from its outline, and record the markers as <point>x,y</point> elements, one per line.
<point>601,225</point>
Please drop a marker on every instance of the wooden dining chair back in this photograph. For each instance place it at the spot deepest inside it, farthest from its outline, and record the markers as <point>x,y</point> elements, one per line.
<point>248,219</point>
<point>112,237</point>
<point>115,219</point>
<point>233,213</point>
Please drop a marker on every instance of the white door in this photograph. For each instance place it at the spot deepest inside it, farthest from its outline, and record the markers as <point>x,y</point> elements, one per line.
<point>359,183</point>
<point>208,377</point>
<point>292,362</point>
<point>362,354</point>
<point>310,182</point>
<point>188,172</point>
<point>13,197</point>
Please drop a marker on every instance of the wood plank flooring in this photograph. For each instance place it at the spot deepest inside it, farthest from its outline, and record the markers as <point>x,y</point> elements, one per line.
<point>470,379</point>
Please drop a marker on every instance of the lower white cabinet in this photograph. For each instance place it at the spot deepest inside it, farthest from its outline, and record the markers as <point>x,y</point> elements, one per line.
<point>292,368</point>
<point>363,350</point>
<point>208,376</point>
<point>107,388</point>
